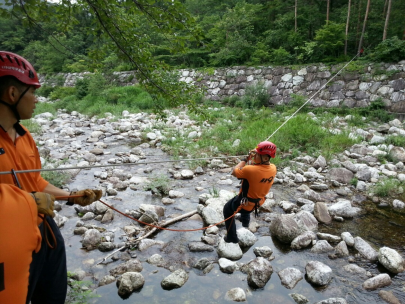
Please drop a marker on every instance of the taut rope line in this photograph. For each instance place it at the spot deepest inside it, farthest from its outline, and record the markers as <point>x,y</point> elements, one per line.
<point>117,165</point>
<point>312,97</point>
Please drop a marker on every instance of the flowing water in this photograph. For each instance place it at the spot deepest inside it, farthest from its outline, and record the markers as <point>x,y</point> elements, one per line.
<point>378,226</point>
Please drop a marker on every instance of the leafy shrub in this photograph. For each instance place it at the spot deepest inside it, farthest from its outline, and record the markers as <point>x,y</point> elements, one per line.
<point>44,90</point>
<point>62,92</point>
<point>390,50</point>
<point>96,84</point>
<point>281,56</point>
<point>256,96</point>
<point>82,87</point>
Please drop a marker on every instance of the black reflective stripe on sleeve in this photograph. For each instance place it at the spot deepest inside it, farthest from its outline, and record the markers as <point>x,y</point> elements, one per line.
<point>1,276</point>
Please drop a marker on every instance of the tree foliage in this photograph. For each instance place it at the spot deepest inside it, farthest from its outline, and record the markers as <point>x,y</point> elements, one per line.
<point>155,36</point>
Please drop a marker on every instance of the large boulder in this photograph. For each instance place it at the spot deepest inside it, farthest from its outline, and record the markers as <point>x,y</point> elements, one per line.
<point>259,272</point>
<point>391,259</point>
<point>175,280</point>
<point>129,282</point>
<point>318,273</point>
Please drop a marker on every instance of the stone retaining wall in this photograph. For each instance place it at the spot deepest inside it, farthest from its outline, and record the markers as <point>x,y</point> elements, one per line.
<point>351,89</point>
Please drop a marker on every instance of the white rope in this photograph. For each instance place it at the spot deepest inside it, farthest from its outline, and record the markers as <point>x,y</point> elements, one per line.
<point>116,165</point>
<point>311,97</point>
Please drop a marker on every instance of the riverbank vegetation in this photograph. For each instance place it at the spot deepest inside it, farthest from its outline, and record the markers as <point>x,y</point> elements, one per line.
<point>311,131</point>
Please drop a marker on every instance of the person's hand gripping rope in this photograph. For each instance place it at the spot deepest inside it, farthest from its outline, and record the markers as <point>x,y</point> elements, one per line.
<point>85,197</point>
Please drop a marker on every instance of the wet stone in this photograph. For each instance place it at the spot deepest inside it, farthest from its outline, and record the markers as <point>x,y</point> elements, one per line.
<point>199,247</point>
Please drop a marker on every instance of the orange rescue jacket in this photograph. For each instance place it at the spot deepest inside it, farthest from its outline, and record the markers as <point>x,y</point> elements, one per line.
<point>19,237</point>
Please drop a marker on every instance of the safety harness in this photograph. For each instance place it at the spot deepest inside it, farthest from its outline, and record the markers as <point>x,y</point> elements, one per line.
<point>244,199</point>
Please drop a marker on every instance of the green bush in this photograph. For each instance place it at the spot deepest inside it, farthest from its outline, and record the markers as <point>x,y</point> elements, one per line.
<point>82,87</point>
<point>62,92</point>
<point>159,185</point>
<point>281,56</point>
<point>44,90</point>
<point>96,85</point>
<point>390,50</point>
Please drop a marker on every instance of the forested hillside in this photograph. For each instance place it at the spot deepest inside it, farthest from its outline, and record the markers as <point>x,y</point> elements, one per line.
<point>83,36</point>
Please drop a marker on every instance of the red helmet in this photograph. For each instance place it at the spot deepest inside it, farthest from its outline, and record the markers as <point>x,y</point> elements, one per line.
<point>266,148</point>
<point>14,65</point>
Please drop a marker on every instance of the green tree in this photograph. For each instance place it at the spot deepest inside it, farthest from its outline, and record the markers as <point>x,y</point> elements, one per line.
<point>330,39</point>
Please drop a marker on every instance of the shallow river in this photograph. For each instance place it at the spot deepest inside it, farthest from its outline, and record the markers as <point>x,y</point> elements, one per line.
<point>379,227</point>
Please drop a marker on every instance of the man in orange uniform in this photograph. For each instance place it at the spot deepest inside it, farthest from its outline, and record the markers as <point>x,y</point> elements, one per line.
<point>257,180</point>
<point>19,237</point>
<point>18,151</point>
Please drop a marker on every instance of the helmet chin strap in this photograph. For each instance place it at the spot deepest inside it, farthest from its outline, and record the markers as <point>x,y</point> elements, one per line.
<point>13,107</point>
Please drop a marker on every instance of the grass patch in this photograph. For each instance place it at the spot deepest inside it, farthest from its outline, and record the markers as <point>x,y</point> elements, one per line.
<point>389,187</point>
<point>32,126</point>
<point>159,185</point>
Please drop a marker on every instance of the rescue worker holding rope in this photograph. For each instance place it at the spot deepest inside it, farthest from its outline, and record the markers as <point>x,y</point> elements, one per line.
<point>257,180</point>
<point>19,237</point>
<point>18,151</point>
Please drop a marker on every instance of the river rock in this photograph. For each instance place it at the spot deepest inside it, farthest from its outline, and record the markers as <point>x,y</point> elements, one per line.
<point>175,194</point>
<point>328,237</point>
<point>199,247</point>
<point>341,250</point>
<point>321,246</point>
<point>129,282</point>
<point>290,277</point>
<point>226,265</point>
<point>365,249</point>
<point>344,209</point>
<point>175,280</point>
<point>156,260</point>
<point>259,272</point>
<point>341,175</point>
<point>321,213</point>
<point>187,174</point>
<point>285,228</point>
<point>378,281</point>
<point>264,251</point>
<point>146,243</point>
<point>388,297</point>
<point>348,238</point>
<point>353,268</point>
<point>246,238</point>
<point>202,263</point>
<point>398,154</point>
<point>229,250</point>
<point>391,260</point>
<point>318,273</point>
<point>108,216</point>
<point>108,279</point>
<point>332,301</point>
<point>133,265</point>
<point>299,299</point>
<point>211,216</point>
<point>106,246</point>
<point>303,240</point>
<point>236,295</point>
<point>91,239</point>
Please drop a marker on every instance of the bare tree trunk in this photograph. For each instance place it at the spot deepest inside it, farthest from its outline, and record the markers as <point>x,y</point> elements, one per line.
<point>358,23</point>
<point>347,25</point>
<point>327,11</point>
<point>385,8</point>
<point>296,5</point>
<point>387,20</point>
<point>364,27</point>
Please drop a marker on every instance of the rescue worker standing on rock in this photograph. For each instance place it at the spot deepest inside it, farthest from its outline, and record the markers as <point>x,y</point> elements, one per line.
<point>18,151</point>
<point>257,180</point>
